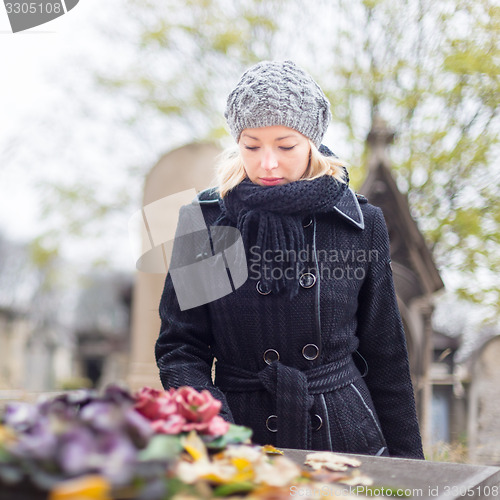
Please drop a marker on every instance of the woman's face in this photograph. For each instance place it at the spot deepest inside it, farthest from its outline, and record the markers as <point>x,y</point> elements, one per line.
<point>274,155</point>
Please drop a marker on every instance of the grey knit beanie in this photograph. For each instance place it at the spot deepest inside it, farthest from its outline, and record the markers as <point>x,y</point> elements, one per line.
<point>278,93</point>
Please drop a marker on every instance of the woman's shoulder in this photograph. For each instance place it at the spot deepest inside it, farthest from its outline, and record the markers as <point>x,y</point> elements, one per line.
<point>204,208</point>
<point>351,209</point>
<point>208,196</point>
<point>356,213</point>
<point>369,211</point>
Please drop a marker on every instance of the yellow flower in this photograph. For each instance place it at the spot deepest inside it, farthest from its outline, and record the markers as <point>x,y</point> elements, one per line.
<point>194,445</point>
<point>271,450</point>
<point>7,435</point>
<point>83,488</point>
<point>244,470</point>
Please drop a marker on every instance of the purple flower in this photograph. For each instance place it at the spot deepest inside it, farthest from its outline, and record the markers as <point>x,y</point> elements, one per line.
<point>59,412</point>
<point>74,399</point>
<point>139,427</point>
<point>102,415</point>
<point>81,432</point>
<point>108,453</point>
<point>118,395</point>
<point>39,442</point>
<point>76,449</point>
<point>21,416</point>
<point>117,457</point>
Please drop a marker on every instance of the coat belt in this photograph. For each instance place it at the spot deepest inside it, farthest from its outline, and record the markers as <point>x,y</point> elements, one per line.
<point>292,390</point>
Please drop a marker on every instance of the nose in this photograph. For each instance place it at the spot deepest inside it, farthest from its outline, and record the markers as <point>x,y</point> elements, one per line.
<point>269,160</point>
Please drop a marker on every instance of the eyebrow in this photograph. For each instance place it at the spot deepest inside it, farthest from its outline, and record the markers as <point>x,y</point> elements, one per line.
<point>277,139</point>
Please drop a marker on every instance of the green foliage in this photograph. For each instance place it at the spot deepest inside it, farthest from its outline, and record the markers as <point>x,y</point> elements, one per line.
<point>162,447</point>
<point>456,452</point>
<point>74,383</point>
<point>235,434</point>
<point>431,70</point>
<point>41,253</point>
<point>195,40</point>
<point>225,490</point>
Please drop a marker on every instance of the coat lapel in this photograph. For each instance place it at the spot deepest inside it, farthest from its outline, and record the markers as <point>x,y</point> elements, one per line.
<point>348,207</point>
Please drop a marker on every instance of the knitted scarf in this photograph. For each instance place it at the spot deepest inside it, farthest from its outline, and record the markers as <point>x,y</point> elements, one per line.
<point>270,220</point>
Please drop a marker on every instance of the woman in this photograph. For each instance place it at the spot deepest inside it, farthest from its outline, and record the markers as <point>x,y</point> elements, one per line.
<point>310,347</point>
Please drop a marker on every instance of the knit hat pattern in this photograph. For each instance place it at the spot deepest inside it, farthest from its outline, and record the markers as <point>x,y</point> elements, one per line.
<point>278,93</point>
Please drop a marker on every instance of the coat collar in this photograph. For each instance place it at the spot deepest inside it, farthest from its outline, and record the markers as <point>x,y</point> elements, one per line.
<point>348,207</point>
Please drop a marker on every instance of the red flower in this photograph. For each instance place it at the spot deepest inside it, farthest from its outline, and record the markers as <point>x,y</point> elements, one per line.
<point>196,406</point>
<point>172,425</point>
<point>181,410</point>
<point>154,404</point>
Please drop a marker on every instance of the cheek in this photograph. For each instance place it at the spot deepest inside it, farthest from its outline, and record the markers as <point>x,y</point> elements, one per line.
<point>299,163</point>
<point>246,159</point>
<point>249,166</point>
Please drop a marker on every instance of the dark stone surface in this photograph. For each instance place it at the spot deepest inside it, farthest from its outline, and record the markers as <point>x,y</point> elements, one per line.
<point>428,480</point>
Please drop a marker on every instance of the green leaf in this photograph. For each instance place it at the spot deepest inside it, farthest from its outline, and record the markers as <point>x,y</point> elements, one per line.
<point>235,434</point>
<point>162,447</point>
<point>5,456</point>
<point>225,490</point>
<point>176,487</point>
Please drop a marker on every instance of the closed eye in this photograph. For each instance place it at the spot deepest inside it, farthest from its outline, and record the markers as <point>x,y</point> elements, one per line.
<point>251,148</point>
<point>287,149</point>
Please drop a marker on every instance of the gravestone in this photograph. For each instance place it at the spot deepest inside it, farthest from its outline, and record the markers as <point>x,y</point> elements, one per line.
<point>173,181</point>
<point>484,405</point>
<point>409,478</point>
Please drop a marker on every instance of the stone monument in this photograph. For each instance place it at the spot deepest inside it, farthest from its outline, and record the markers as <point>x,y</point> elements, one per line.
<point>484,405</point>
<point>172,182</point>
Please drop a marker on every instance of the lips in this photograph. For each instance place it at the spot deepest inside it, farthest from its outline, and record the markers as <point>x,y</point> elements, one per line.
<point>271,181</point>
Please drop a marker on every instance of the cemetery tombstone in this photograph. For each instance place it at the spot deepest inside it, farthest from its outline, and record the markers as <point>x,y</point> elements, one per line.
<point>484,406</point>
<point>172,182</point>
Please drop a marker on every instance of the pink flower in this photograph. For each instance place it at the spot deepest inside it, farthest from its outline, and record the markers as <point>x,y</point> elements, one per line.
<point>195,426</point>
<point>217,426</point>
<point>154,404</point>
<point>172,425</point>
<point>181,410</point>
<point>196,406</point>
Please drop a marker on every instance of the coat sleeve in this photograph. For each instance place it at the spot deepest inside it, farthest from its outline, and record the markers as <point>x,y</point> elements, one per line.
<point>383,345</point>
<point>183,349</point>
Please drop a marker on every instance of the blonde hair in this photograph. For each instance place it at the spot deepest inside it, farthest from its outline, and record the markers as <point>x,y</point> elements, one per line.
<point>230,170</point>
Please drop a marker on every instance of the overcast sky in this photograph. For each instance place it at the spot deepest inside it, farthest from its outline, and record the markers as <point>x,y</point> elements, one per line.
<point>25,90</point>
<point>38,77</point>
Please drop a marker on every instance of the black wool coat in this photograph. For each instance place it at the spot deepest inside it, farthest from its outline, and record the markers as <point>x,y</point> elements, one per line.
<point>325,370</point>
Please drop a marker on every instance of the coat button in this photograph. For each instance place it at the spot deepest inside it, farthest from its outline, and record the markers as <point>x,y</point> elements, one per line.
<point>310,351</point>
<point>317,422</point>
<point>261,290</point>
<point>272,423</point>
<point>307,222</point>
<point>271,355</point>
<point>307,280</point>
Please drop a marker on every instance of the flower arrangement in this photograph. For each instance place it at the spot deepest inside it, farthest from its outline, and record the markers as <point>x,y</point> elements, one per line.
<point>154,445</point>
<point>116,435</point>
